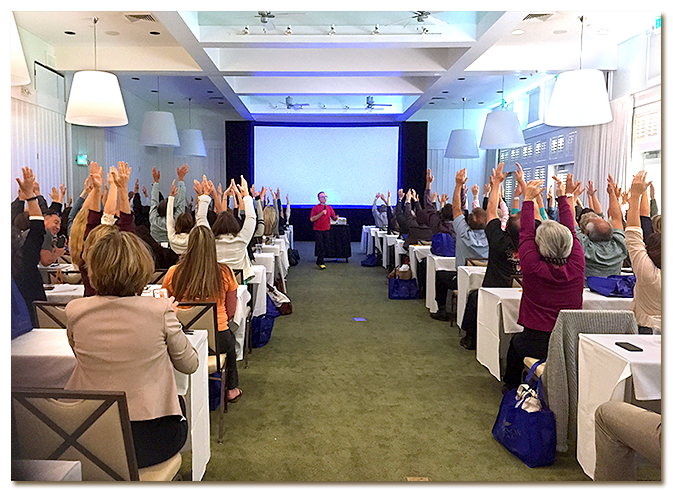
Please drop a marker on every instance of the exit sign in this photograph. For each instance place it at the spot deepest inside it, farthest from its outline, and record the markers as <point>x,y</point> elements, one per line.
<point>82,160</point>
<point>657,23</point>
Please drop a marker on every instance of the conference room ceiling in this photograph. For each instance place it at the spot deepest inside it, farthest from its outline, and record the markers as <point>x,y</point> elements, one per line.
<point>279,66</point>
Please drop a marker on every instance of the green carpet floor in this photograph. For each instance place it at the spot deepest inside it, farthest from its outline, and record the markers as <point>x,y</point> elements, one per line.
<point>331,399</point>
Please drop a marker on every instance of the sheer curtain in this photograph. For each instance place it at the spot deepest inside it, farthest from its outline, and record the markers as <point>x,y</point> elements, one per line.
<point>605,149</point>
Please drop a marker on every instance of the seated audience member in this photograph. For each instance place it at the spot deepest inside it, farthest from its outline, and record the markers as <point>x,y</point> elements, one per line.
<point>198,277</point>
<point>27,276</point>
<point>439,221</point>
<point>284,214</point>
<point>123,341</point>
<point>602,241</point>
<point>178,229</point>
<point>141,212</point>
<point>624,431</point>
<point>407,218</point>
<point>50,251</point>
<point>79,203</point>
<point>645,255</point>
<point>106,220</point>
<point>158,208</point>
<point>380,213</point>
<point>552,268</point>
<point>270,216</point>
<point>503,258</point>
<point>232,239</point>
<point>471,242</point>
<point>393,225</point>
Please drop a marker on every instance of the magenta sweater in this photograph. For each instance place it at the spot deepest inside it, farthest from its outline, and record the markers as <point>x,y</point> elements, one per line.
<point>548,288</point>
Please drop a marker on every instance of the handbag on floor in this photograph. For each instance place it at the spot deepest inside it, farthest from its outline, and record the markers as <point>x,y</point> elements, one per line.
<point>280,300</point>
<point>373,260</point>
<point>402,288</point>
<point>525,425</point>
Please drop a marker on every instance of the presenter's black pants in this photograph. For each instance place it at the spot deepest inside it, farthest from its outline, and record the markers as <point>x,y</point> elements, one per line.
<point>320,246</point>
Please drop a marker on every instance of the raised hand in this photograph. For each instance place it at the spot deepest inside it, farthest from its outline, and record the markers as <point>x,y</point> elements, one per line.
<point>123,175</point>
<point>520,179</point>
<point>498,175</point>
<point>612,187</point>
<point>62,188</point>
<point>461,177</point>
<point>560,186</point>
<point>182,171</point>
<point>428,177</point>
<point>532,189</point>
<point>174,190</point>
<point>400,194</point>
<point>145,191</point>
<point>96,174</point>
<point>36,188</point>
<point>243,188</point>
<point>639,185</point>
<point>55,195</point>
<point>136,187</point>
<point>26,186</point>
<point>518,190</point>
<point>591,190</point>
<point>475,190</point>
<point>156,175</point>
<point>198,188</point>
<point>488,187</point>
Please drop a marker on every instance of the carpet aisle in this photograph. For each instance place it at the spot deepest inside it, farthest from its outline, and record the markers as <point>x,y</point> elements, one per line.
<point>331,399</point>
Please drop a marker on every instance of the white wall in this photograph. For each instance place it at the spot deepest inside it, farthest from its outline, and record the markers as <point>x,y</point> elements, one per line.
<point>440,124</point>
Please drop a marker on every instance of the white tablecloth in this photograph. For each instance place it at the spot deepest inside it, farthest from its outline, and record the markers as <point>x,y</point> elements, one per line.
<point>389,240</point>
<point>42,358</point>
<point>289,233</point>
<point>378,239</point>
<point>243,296</point>
<point>279,267</point>
<point>399,251</point>
<point>285,261</point>
<point>470,278</point>
<point>268,260</point>
<point>64,293</point>
<point>498,313</point>
<point>416,254</point>
<point>46,269</point>
<point>603,369</point>
<point>435,263</point>
<point>366,241</point>
<point>259,289</point>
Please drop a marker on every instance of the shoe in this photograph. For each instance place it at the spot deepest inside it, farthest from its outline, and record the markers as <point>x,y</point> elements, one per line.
<point>470,343</point>
<point>322,266</point>
<point>441,315</point>
<point>235,399</point>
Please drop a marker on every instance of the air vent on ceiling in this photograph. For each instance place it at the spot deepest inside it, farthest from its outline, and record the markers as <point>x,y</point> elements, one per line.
<point>542,17</point>
<point>132,18</point>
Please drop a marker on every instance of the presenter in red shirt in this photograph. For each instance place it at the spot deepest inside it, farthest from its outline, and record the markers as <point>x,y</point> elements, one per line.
<point>320,217</point>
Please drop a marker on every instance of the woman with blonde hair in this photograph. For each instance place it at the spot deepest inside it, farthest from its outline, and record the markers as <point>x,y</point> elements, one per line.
<point>123,341</point>
<point>199,277</point>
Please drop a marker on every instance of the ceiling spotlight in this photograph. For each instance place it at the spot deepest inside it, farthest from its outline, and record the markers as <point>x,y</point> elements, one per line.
<point>376,29</point>
<point>517,32</point>
<point>425,30</point>
<point>288,31</point>
<point>332,30</point>
<point>246,30</point>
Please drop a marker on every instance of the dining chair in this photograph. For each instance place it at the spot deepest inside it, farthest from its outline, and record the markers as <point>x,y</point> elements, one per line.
<point>50,315</point>
<point>61,276</point>
<point>197,315</point>
<point>157,276</point>
<point>476,261</point>
<point>92,427</point>
<point>517,281</point>
<point>559,374</point>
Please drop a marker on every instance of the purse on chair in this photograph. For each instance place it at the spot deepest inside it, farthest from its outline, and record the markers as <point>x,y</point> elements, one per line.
<point>525,425</point>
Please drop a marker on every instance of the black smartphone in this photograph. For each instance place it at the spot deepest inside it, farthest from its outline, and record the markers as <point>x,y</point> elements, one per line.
<point>629,347</point>
<point>60,242</point>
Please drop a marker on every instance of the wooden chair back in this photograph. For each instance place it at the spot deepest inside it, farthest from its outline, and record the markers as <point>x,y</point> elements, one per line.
<point>50,315</point>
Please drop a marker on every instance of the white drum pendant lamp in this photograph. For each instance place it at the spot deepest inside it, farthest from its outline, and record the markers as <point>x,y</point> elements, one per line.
<point>191,140</point>
<point>579,98</point>
<point>95,97</point>
<point>20,75</point>
<point>462,142</point>
<point>502,128</point>
<point>158,128</point>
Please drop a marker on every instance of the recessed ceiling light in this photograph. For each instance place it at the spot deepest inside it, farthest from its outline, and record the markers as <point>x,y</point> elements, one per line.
<point>461,78</point>
<point>112,33</point>
<point>445,91</point>
<point>198,78</point>
<point>169,102</point>
<point>479,102</point>
<point>154,91</point>
<point>430,102</point>
<point>155,33</point>
<point>70,33</point>
<point>517,32</point>
<point>135,78</point>
<point>209,92</point>
<point>559,31</point>
<point>523,78</point>
<point>498,91</point>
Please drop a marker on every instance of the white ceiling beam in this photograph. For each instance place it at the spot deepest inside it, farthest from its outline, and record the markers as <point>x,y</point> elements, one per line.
<point>328,85</point>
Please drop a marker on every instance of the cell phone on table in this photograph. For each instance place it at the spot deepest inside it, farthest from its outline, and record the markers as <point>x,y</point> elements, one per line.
<point>160,293</point>
<point>629,347</point>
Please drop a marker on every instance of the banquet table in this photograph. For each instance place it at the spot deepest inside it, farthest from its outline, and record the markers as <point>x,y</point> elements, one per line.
<point>46,269</point>
<point>240,320</point>
<point>470,278</point>
<point>259,282</point>
<point>416,254</point>
<point>435,263</point>
<point>366,239</point>
<point>389,240</point>
<point>399,251</point>
<point>64,293</point>
<point>338,244</point>
<point>42,358</point>
<point>289,234</point>
<point>498,313</point>
<point>605,371</point>
<point>280,271</point>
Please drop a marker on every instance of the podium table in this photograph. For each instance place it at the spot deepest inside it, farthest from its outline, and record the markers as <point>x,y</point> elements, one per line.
<point>338,242</point>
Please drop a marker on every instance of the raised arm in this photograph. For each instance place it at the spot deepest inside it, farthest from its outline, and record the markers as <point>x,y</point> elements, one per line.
<point>180,197</point>
<point>121,181</point>
<point>638,194</point>
<point>497,178</point>
<point>475,196</point>
<point>615,209</point>
<point>461,178</point>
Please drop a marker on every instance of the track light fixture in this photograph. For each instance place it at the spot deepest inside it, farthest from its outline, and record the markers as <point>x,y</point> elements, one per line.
<point>376,30</point>
<point>246,30</point>
<point>288,31</point>
<point>332,30</point>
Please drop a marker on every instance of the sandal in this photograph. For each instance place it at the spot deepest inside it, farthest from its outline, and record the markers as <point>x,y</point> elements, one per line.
<point>235,399</point>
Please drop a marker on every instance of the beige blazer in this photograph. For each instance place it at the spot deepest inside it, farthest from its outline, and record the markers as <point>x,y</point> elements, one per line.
<point>129,344</point>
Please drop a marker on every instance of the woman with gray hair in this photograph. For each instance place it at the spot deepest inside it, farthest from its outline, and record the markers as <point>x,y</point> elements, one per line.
<point>552,269</point>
